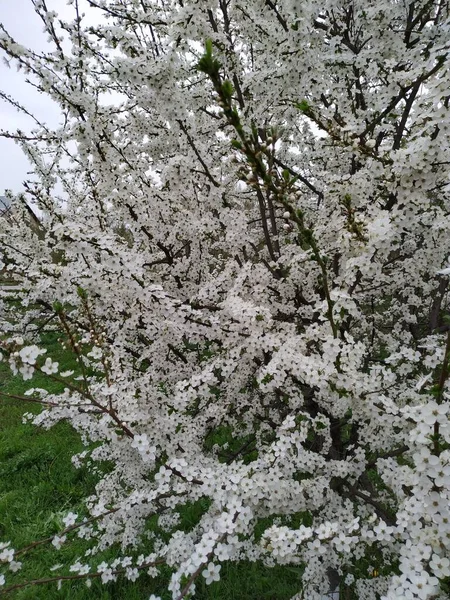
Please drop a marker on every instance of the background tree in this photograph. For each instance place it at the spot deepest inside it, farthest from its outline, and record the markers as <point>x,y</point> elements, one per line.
<point>270,334</point>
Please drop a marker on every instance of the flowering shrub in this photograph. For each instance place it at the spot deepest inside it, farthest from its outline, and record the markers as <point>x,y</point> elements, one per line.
<point>249,264</point>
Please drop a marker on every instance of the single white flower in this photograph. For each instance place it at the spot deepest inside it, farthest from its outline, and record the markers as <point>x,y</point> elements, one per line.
<point>7,555</point>
<point>70,519</point>
<point>95,353</point>
<point>58,541</point>
<point>222,551</point>
<point>15,566</point>
<point>440,565</point>
<point>27,371</point>
<point>49,367</point>
<point>211,573</point>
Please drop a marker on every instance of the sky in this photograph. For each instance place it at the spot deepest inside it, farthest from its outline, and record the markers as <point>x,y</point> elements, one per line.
<point>20,20</point>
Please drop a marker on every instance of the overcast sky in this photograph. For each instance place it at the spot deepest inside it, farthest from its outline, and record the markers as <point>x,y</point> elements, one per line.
<point>20,20</point>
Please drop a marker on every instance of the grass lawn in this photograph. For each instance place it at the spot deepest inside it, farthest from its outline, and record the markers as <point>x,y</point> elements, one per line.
<point>39,485</point>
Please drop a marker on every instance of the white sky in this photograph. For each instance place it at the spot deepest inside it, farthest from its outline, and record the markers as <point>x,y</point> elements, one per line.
<point>20,20</point>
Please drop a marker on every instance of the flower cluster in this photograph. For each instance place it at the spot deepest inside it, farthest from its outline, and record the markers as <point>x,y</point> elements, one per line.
<point>26,358</point>
<point>142,445</point>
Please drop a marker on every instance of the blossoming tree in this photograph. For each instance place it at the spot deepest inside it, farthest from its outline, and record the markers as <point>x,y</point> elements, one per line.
<point>249,265</point>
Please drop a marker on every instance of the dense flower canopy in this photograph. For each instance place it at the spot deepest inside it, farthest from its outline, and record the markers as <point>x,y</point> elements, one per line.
<point>245,263</point>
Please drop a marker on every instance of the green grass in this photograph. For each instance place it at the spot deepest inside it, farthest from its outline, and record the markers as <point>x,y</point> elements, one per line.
<point>39,485</point>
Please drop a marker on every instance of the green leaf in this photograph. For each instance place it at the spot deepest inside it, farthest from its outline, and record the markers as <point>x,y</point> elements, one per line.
<point>57,307</point>
<point>227,89</point>
<point>81,293</point>
<point>303,106</point>
<point>207,64</point>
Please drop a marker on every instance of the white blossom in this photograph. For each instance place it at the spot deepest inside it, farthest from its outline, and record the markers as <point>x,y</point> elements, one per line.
<point>49,366</point>
<point>70,519</point>
<point>29,354</point>
<point>58,541</point>
<point>211,573</point>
